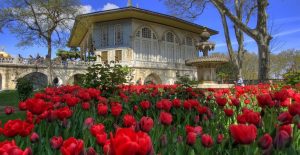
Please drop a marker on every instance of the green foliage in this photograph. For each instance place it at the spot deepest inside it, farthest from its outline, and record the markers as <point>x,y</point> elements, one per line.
<point>9,98</point>
<point>64,55</point>
<point>292,78</point>
<point>227,71</point>
<point>24,88</point>
<point>106,76</point>
<point>185,81</point>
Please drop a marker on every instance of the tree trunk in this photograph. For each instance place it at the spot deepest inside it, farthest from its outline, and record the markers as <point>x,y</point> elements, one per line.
<point>264,62</point>
<point>49,44</point>
<point>231,53</point>
<point>259,34</point>
<point>263,41</point>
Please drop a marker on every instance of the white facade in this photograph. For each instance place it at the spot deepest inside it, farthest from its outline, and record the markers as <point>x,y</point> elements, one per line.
<point>156,52</point>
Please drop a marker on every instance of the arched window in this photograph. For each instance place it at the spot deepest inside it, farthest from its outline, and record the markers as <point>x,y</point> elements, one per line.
<point>170,37</point>
<point>146,33</point>
<point>146,44</point>
<point>118,35</point>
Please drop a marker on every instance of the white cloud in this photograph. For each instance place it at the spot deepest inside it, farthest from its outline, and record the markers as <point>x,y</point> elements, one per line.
<point>110,6</point>
<point>288,32</point>
<point>85,9</point>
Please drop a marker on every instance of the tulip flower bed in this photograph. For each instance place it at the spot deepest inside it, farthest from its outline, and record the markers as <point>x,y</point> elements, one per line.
<point>156,119</point>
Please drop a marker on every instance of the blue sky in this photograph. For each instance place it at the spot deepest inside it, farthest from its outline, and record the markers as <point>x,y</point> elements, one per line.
<point>284,21</point>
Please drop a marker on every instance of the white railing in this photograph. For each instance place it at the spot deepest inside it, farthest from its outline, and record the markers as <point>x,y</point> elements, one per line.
<point>43,62</point>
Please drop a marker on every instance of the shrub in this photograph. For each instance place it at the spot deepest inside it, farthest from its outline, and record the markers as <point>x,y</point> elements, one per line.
<point>185,81</point>
<point>24,88</point>
<point>292,78</point>
<point>106,76</point>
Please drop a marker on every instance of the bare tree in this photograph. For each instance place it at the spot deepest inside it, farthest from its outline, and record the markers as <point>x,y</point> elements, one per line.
<point>45,22</point>
<point>259,33</point>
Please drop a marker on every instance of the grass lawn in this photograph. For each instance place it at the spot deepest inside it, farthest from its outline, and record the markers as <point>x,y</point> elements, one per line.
<point>18,114</point>
<point>9,98</point>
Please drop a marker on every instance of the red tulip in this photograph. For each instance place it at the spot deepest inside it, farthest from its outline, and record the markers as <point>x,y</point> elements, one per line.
<point>22,106</point>
<point>235,102</point>
<point>288,128</point>
<point>145,105</point>
<point>97,129</point>
<point>207,141</point>
<point>101,138</point>
<point>128,142</point>
<point>64,113</point>
<point>146,123</point>
<point>243,134</point>
<point>72,146</point>
<point>294,109</point>
<point>265,142</point>
<point>56,142</point>
<point>128,120</point>
<point>135,108</point>
<point>164,104</point>
<point>282,139</point>
<point>72,101</point>
<point>85,105</point>
<point>36,106</point>
<point>17,127</point>
<point>88,122</point>
<point>102,109</point>
<point>91,151</point>
<point>165,118</point>
<point>228,112</point>
<point>189,129</point>
<point>34,137</point>
<point>10,148</point>
<point>116,109</point>
<point>176,103</point>
<point>191,138</point>
<point>9,110</point>
<point>221,101</point>
<point>285,118</point>
<point>220,138</point>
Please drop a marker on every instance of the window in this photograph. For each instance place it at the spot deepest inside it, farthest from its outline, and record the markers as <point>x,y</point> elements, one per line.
<point>189,41</point>
<point>104,56</point>
<point>146,33</point>
<point>118,55</point>
<point>104,36</point>
<point>138,34</point>
<point>170,37</point>
<point>118,35</point>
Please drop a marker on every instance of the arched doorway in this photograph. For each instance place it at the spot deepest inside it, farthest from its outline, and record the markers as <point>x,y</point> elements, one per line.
<point>0,82</point>
<point>39,80</point>
<point>152,79</point>
<point>75,79</point>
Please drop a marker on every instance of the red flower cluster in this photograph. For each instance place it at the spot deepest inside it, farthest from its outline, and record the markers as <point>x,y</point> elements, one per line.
<point>17,127</point>
<point>72,146</point>
<point>243,134</point>
<point>10,148</point>
<point>128,142</point>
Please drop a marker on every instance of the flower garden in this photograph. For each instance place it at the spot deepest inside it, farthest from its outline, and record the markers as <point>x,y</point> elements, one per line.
<point>156,119</point>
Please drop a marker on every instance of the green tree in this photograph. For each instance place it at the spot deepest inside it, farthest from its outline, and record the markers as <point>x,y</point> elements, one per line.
<point>106,77</point>
<point>44,22</point>
<point>24,88</point>
<point>259,33</point>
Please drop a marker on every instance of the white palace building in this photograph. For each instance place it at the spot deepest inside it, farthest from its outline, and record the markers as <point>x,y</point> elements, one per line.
<point>156,46</point>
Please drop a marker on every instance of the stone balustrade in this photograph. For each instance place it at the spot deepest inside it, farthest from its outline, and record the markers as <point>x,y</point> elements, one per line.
<point>43,62</point>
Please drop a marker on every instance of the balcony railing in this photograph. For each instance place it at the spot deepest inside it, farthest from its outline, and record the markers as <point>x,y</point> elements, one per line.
<point>43,62</point>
